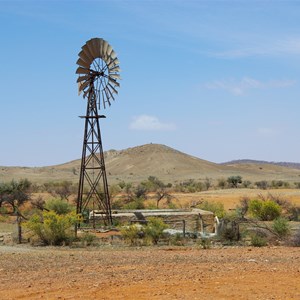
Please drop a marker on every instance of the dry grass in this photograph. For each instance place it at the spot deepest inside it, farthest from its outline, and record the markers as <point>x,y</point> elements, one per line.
<point>231,197</point>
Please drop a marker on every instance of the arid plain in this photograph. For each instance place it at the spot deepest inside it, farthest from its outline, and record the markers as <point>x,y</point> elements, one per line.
<point>156,272</point>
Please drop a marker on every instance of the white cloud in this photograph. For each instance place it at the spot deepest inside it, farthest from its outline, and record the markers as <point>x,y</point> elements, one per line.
<point>240,87</point>
<point>145,122</point>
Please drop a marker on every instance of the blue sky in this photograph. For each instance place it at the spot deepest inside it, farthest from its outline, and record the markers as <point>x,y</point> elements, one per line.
<point>215,79</point>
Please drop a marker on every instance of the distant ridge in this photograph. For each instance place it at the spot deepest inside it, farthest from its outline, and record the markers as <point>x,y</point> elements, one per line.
<point>292,165</point>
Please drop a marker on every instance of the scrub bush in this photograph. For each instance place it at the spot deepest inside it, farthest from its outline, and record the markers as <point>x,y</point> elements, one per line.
<point>264,210</point>
<point>52,228</point>
<point>281,227</point>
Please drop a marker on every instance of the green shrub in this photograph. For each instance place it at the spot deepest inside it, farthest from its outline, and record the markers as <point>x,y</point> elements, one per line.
<point>255,208</point>
<point>52,228</point>
<point>137,234</point>
<point>61,207</point>
<point>258,240</point>
<point>234,181</point>
<point>281,227</point>
<point>270,211</point>
<point>133,234</point>
<point>153,184</point>
<point>177,240</point>
<point>264,210</point>
<point>279,184</point>
<point>263,184</point>
<point>88,239</point>
<point>137,203</point>
<point>154,229</point>
<point>191,186</point>
<point>287,209</point>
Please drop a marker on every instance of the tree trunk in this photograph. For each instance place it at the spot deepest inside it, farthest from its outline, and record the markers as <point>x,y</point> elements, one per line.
<point>19,219</point>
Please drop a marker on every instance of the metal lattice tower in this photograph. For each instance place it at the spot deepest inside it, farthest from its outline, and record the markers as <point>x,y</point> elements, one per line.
<point>98,73</point>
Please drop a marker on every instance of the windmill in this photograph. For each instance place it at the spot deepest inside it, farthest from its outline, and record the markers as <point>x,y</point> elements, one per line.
<point>98,70</point>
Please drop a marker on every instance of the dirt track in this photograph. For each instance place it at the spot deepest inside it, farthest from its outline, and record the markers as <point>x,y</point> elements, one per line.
<point>150,273</point>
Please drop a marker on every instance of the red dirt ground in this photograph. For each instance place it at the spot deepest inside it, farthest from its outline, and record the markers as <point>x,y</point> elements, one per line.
<point>149,273</point>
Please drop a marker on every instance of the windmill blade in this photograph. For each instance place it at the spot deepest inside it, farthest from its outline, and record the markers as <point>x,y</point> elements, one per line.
<point>104,49</point>
<point>87,91</point>
<point>109,50</point>
<point>81,78</point>
<point>115,76</point>
<point>81,70</point>
<point>83,63</point>
<point>110,93</point>
<point>107,61</point>
<point>110,61</point>
<point>113,54</point>
<point>90,46</point>
<point>107,98</point>
<point>83,85</point>
<point>95,45</point>
<point>85,57</point>
<point>113,63</point>
<point>101,45</point>
<point>97,95</point>
<point>103,97</point>
<point>113,89</point>
<point>87,52</point>
<point>79,91</point>
<point>113,81</point>
<point>114,69</point>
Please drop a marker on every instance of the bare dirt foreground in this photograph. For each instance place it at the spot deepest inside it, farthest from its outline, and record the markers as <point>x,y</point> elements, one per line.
<point>149,273</point>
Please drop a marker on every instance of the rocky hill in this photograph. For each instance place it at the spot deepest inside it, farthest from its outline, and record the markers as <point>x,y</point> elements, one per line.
<point>138,163</point>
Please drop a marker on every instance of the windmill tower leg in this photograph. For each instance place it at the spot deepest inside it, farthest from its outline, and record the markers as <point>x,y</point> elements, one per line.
<point>93,191</point>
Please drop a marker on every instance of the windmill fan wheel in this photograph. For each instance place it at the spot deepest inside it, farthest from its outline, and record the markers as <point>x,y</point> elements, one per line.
<point>98,70</point>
